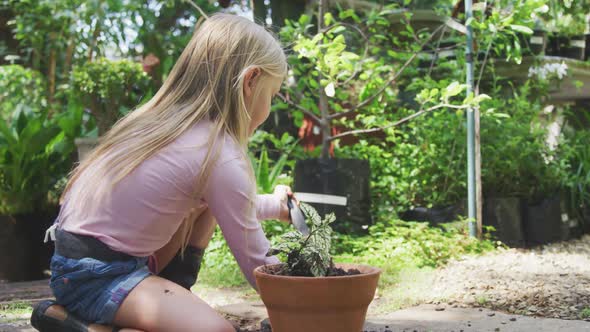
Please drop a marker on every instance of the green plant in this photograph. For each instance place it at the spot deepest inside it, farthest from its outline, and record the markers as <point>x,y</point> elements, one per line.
<point>345,66</point>
<point>20,88</point>
<point>308,255</point>
<point>585,313</point>
<point>393,245</point>
<point>219,268</point>
<point>517,161</point>
<point>502,27</point>
<point>272,160</point>
<point>31,161</point>
<point>566,18</point>
<point>53,35</point>
<point>109,89</point>
<point>268,172</point>
<point>576,152</point>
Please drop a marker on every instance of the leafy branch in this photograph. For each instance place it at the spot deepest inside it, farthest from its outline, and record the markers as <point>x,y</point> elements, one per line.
<point>425,97</point>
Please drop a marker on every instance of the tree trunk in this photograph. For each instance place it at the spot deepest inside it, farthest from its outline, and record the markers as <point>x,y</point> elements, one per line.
<point>260,11</point>
<point>281,10</point>
<point>69,56</point>
<point>51,70</point>
<point>94,39</point>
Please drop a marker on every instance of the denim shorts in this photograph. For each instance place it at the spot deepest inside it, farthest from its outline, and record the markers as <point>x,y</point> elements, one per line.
<point>92,289</point>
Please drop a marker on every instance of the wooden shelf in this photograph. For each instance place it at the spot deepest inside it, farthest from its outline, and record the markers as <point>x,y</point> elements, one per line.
<point>564,90</point>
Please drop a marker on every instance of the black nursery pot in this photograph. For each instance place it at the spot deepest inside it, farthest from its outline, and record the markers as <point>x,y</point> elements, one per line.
<point>585,224</point>
<point>23,254</point>
<point>505,215</point>
<point>576,48</point>
<point>435,215</point>
<point>543,221</point>
<point>339,177</point>
<point>538,42</point>
<point>568,47</point>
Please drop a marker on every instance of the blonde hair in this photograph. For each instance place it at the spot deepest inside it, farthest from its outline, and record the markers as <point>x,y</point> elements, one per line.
<point>205,83</point>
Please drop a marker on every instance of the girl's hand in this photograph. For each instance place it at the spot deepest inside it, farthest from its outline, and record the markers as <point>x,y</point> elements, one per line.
<point>283,193</point>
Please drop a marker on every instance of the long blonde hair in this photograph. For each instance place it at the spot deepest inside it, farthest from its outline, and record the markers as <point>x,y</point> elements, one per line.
<point>205,83</point>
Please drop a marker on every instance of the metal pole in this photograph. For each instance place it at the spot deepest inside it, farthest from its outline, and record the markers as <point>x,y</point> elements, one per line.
<point>471,185</point>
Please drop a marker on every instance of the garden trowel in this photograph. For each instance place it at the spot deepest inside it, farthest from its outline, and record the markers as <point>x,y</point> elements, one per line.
<point>296,216</point>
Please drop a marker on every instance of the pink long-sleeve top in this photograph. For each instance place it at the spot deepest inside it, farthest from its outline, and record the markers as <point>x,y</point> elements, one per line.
<point>145,209</point>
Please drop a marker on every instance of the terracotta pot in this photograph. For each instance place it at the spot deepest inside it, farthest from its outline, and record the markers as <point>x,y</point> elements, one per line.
<point>324,304</point>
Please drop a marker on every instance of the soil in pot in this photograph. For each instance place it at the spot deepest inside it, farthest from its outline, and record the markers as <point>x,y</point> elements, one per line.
<point>334,271</point>
<point>317,304</point>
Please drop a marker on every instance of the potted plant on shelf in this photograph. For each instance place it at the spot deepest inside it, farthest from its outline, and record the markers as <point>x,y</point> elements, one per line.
<point>309,292</point>
<point>108,89</point>
<point>569,26</point>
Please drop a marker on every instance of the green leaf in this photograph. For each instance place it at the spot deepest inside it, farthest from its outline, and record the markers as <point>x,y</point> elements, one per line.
<point>304,19</point>
<point>262,174</point>
<point>521,28</point>
<point>328,18</point>
<point>481,97</point>
<point>277,170</point>
<point>454,89</point>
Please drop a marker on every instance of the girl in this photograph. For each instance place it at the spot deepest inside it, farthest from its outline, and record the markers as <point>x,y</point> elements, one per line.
<point>138,213</point>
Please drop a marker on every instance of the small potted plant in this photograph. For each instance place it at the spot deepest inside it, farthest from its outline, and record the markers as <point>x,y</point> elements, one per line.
<point>568,39</point>
<point>310,292</point>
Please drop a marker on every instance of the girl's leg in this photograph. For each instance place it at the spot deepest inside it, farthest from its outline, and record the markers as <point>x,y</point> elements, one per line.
<point>200,236</point>
<point>157,304</point>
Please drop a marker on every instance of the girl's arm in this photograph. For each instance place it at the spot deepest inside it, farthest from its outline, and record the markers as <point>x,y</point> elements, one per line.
<point>268,206</point>
<point>230,197</point>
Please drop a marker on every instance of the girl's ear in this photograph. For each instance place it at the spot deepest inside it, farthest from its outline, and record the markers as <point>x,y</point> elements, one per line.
<point>250,79</point>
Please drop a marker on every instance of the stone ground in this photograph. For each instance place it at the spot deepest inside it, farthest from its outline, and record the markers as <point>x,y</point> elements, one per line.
<point>551,281</point>
<point>544,289</point>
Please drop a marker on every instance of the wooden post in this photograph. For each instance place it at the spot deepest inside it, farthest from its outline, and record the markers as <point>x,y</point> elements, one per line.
<point>479,195</point>
<point>323,105</point>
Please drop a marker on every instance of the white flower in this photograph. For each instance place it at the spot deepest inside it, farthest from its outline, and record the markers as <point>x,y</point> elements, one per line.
<point>561,70</point>
<point>548,70</point>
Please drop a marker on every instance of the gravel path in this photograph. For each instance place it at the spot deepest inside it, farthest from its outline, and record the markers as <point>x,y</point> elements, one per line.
<point>551,281</point>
